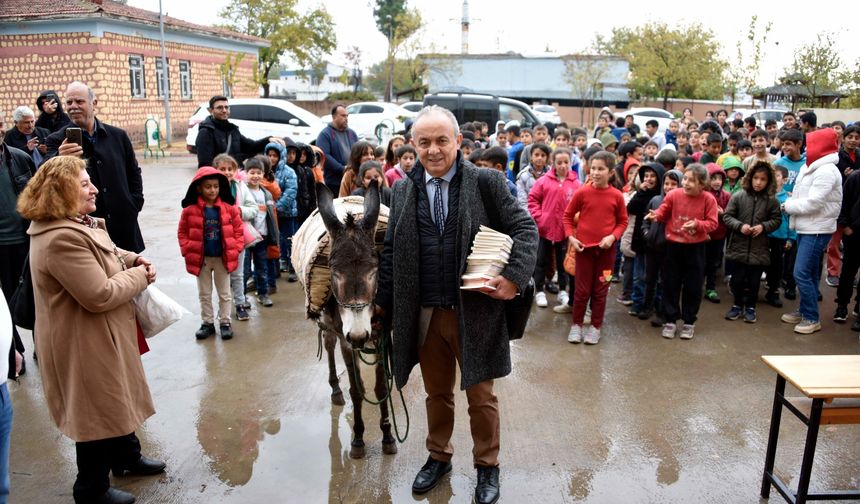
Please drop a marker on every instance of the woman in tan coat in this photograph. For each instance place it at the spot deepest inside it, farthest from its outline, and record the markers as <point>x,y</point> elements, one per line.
<point>87,345</point>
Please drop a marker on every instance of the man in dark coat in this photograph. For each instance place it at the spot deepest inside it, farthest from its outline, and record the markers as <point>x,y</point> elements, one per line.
<point>336,141</point>
<point>217,135</point>
<point>16,169</point>
<point>26,136</point>
<point>111,164</point>
<point>435,214</point>
<point>51,115</point>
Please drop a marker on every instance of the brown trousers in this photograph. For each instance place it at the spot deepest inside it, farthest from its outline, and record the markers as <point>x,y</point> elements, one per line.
<point>439,356</point>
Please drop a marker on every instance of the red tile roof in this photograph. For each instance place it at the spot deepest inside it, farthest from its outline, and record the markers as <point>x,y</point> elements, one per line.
<point>32,10</point>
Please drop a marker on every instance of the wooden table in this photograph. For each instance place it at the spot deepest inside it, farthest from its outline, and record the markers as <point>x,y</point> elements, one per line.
<point>831,384</point>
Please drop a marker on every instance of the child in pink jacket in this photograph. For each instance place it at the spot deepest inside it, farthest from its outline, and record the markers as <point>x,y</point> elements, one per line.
<point>546,203</point>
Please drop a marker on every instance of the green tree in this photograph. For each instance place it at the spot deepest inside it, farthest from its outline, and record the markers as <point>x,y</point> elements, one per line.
<point>816,68</point>
<point>398,24</point>
<point>741,74</point>
<point>228,71</point>
<point>667,62</point>
<point>301,37</point>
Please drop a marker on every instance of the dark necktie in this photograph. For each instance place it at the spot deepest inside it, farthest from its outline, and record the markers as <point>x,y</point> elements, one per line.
<point>438,208</point>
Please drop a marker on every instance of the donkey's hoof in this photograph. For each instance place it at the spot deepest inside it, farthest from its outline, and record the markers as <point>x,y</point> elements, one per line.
<point>337,399</point>
<point>389,447</point>
<point>357,451</point>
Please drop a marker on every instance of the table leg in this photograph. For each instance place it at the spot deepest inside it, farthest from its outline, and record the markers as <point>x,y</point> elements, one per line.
<point>809,450</point>
<point>773,436</point>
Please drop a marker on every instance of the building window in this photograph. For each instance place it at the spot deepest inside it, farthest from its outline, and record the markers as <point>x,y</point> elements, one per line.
<point>185,79</point>
<point>135,75</point>
<point>334,79</point>
<point>159,77</point>
<point>226,88</point>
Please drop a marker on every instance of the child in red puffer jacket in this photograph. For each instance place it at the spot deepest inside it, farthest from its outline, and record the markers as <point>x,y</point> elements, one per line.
<point>211,234</point>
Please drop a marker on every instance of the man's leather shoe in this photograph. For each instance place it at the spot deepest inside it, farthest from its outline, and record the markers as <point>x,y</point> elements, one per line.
<point>115,496</point>
<point>487,489</point>
<point>429,475</point>
<point>143,467</point>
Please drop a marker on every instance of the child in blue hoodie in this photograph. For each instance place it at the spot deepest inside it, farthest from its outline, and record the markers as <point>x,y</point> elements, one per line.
<point>782,243</point>
<point>286,206</point>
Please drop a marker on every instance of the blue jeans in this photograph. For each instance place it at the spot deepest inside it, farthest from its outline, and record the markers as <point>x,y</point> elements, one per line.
<point>287,226</point>
<point>261,267</point>
<point>638,295</point>
<point>807,271</point>
<point>273,272</point>
<point>5,436</point>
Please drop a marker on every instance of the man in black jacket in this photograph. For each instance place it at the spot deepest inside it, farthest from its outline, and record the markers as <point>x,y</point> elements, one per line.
<point>26,136</point>
<point>436,211</point>
<point>217,135</point>
<point>16,169</point>
<point>111,164</point>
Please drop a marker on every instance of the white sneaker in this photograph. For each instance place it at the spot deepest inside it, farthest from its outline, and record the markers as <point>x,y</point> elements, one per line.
<point>669,330</point>
<point>575,334</point>
<point>586,320</point>
<point>687,331</point>
<point>540,299</point>
<point>563,298</point>
<point>592,336</point>
<point>562,308</point>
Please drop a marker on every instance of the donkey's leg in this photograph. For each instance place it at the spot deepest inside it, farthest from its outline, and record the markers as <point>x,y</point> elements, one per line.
<point>389,444</point>
<point>336,394</point>
<point>356,388</point>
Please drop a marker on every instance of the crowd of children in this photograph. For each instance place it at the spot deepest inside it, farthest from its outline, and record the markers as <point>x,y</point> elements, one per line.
<point>662,212</point>
<point>620,205</point>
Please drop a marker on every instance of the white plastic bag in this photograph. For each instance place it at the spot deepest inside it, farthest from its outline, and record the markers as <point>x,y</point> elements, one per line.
<point>155,311</point>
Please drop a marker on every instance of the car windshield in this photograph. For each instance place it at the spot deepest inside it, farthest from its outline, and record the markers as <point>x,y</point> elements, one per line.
<point>545,108</point>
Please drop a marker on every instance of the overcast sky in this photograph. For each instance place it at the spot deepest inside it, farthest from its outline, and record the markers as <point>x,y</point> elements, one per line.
<point>567,27</point>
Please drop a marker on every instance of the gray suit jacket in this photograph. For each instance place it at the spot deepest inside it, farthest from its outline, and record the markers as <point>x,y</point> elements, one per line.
<point>483,331</point>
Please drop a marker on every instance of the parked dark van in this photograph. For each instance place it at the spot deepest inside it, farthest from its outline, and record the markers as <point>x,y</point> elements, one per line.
<point>468,107</point>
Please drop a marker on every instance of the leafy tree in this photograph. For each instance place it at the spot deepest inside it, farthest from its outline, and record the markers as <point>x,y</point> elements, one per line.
<point>742,72</point>
<point>816,68</point>
<point>398,24</point>
<point>667,62</point>
<point>228,71</point>
<point>585,75</point>
<point>302,37</point>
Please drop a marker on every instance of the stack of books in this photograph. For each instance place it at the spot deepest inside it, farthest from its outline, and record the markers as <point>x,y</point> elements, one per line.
<point>490,253</point>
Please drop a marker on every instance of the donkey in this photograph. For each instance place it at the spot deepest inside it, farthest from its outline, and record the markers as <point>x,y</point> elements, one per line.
<point>347,314</point>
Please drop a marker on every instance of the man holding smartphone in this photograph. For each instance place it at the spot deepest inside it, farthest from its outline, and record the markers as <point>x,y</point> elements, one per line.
<point>111,164</point>
<point>25,135</point>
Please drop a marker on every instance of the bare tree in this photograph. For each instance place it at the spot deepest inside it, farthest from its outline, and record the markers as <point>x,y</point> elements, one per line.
<point>585,74</point>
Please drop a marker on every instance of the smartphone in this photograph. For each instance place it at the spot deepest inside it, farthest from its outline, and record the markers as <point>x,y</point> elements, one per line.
<point>73,135</point>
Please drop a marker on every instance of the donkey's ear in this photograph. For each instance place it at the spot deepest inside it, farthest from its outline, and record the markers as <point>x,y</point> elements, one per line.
<point>371,206</point>
<point>325,204</point>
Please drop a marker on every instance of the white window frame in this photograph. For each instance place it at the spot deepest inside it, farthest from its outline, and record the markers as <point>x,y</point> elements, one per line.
<point>136,73</point>
<point>185,80</point>
<point>158,78</point>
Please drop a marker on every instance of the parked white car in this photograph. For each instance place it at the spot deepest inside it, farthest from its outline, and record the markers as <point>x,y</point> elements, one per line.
<point>364,117</point>
<point>642,115</point>
<point>262,117</point>
<point>546,113</point>
<point>413,106</point>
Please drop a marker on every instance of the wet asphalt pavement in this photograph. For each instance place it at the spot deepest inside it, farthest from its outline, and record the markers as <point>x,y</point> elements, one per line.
<point>635,419</point>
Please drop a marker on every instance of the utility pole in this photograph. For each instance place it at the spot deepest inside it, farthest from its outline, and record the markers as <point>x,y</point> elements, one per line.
<point>165,83</point>
<point>390,91</point>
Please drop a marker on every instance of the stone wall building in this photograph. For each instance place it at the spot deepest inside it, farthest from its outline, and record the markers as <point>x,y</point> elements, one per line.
<point>116,50</point>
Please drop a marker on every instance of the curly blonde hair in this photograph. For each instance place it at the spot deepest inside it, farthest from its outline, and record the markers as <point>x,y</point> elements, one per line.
<point>54,192</point>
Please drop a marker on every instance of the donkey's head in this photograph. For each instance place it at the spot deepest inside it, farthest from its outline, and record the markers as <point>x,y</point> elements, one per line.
<point>353,262</point>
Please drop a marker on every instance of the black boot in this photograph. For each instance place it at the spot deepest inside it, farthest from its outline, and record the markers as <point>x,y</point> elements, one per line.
<point>143,467</point>
<point>115,496</point>
<point>205,331</point>
<point>487,489</point>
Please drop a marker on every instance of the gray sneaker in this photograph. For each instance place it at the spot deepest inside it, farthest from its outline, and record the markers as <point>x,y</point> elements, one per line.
<point>575,334</point>
<point>669,330</point>
<point>807,327</point>
<point>792,318</point>
<point>687,331</point>
<point>264,300</point>
<point>592,336</point>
